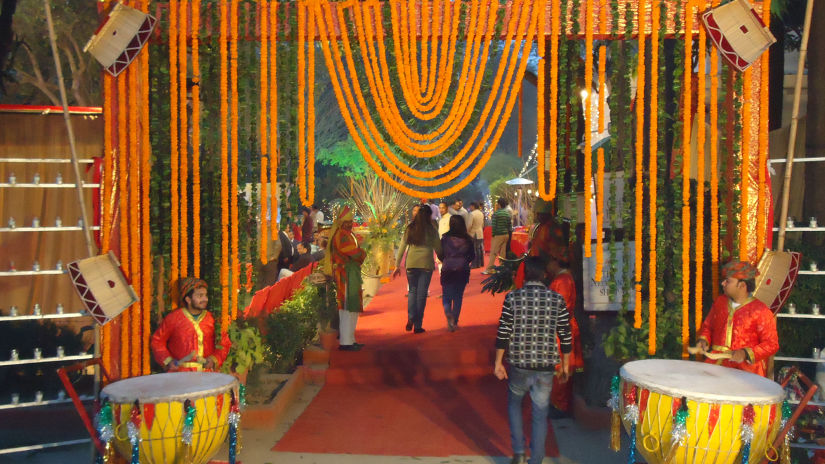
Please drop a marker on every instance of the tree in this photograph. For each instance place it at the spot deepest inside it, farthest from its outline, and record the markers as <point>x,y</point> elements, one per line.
<point>30,75</point>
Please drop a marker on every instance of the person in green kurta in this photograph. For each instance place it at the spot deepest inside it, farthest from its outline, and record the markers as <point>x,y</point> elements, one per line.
<point>342,260</point>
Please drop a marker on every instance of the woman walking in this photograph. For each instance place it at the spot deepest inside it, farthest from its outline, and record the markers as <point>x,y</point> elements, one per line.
<point>419,242</point>
<point>459,252</point>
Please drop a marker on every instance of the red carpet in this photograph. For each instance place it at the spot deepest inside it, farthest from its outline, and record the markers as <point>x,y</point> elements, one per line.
<point>431,394</point>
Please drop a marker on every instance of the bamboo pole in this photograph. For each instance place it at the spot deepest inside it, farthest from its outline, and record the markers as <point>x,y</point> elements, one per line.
<point>800,69</point>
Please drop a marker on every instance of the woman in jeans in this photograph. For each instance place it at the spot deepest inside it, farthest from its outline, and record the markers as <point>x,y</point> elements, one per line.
<point>459,252</point>
<point>419,242</point>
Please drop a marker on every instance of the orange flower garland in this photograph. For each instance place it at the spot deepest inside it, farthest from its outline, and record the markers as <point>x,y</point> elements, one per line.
<point>302,108</point>
<point>310,199</point>
<point>273,118</point>
<point>554,100</point>
<point>183,139</point>
<point>123,206</point>
<point>224,115</point>
<point>386,152</point>
<point>714,166</point>
<point>600,198</point>
<point>763,138</point>
<point>686,130</point>
<point>196,139</point>
<point>174,266</point>
<point>653,168</point>
<point>233,186</point>
<point>106,200</point>
<point>588,125</point>
<point>146,231</point>
<point>541,125</point>
<point>134,222</point>
<point>744,218</point>
<point>700,173</point>
<point>264,82</point>
<point>640,124</point>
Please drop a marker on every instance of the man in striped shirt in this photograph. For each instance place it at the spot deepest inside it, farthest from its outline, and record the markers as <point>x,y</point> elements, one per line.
<point>531,319</point>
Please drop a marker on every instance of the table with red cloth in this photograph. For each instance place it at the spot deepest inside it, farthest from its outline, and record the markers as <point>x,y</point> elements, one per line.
<point>518,242</point>
<point>270,298</point>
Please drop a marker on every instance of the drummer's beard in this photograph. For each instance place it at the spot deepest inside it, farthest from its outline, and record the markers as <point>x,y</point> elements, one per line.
<point>195,307</point>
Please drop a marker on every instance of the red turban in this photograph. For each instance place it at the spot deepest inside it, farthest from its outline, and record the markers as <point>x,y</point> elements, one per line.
<point>741,270</point>
<point>187,285</point>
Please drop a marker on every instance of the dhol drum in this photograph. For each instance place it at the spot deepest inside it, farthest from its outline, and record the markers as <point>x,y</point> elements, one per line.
<point>160,399</point>
<point>718,400</point>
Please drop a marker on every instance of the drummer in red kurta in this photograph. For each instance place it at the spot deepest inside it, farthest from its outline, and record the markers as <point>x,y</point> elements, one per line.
<point>343,260</point>
<point>740,324</point>
<point>185,340</point>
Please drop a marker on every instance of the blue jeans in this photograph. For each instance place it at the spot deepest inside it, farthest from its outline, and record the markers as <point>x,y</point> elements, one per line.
<point>539,384</point>
<point>451,297</point>
<point>419,282</point>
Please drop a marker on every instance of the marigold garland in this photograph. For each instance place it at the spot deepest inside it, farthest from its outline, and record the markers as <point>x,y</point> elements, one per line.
<point>640,124</point>
<point>554,100</point>
<point>714,163</point>
<point>310,199</point>
<point>763,138</point>
<point>700,173</point>
<point>174,266</point>
<point>744,218</point>
<point>325,15</point>
<point>183,139</point>
<point>302,108</point>
<point>123,206</point>
<point>588,125</point>
<point>264,98</point>
<point>655,24</point>
<point>224,110</point>
<point>541,126</point>
<point>233,186</point>
<point>601,201</point>
<point>134,221</point>
<point>106,199</point>
<point>146,231</point>
<point>196,139</point>
<point>686,130</point>
<point>273,119</point>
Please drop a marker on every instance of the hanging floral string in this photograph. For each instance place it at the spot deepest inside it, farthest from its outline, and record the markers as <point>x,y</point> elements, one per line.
<point>134,157</point>
<point>631,415</point>
<point>174,266</point>
<point>640,125</point>
<point>188,428</point>
<point>746,432</point>
<point>233,186</point>
<point>541,110</point>
<point>686,130</point>
<point>653,167</point>
<point>700,173</point>
<point>679,432</point>
<point>264,99</point>
<point>183,138</point>
<point>588,125</point>
<point>106,219</point>
<point>133,427</point>
<point>273,119</point>
<point>310,198</point>
<point>744,190</point>
<point>554,102</point>
<point>224,110</point>
<point>614,403</point>
<point>123,205</point>
<point>763,137</point>
<point>234,424</point>
<point>714,160</point>
<point>196,140</point>
<point>600,198</point>
<point>785,453</point>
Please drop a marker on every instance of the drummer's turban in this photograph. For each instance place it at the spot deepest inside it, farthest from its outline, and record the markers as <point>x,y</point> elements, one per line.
<point>741,270</point>
<point>188,285</point>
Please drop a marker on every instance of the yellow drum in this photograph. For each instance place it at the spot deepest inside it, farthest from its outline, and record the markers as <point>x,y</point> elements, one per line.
<point>716,398</point>
<point>160,401</point>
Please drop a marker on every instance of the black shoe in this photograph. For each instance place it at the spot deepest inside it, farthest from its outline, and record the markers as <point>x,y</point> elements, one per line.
<point>556,413</point>
<point>419,330</point>
<point>409,325</point>
<point>353,347</point>
<point>519,458</point>
<point>358,345</point>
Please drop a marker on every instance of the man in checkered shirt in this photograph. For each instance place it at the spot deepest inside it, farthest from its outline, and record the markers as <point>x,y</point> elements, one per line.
<point>531,319</point>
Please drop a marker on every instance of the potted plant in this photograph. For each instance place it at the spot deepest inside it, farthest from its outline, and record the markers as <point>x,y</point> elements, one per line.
<point>247,349</point>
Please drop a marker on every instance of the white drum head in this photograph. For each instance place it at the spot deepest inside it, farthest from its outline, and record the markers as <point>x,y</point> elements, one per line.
<point>172,386</point>
<point>701,381</point>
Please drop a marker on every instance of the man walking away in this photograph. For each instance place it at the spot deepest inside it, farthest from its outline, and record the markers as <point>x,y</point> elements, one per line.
<point>477,233</point>
<point>502,226</point>
<point>531,319</point>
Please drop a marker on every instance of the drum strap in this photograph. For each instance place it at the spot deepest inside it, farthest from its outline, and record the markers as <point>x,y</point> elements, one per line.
<point>192,365</point>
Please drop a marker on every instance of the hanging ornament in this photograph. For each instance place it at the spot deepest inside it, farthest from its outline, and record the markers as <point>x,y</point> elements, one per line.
<point>103,422</point>
<point>188,423</point>
<point>679,433</point>
<point>234,422</point>
<point>746,432</point>
<point>242,394</point>
<point>785,452</point>
<point>615,419</point>
<point>631,414</point>
<point>133,427</point>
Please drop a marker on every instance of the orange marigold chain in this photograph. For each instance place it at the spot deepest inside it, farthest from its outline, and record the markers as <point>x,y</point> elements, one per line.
<point>233,196</point>
<point>541,126</point>
<point>441,76</point>
<point>302,108</point>
<point>686,167</point>
<point>700,173</point>
<point>600,198</point>
<point>135,318</point>
<point>183,140</point>
<point>744,217</point>
<point>423,108</point>
<point>224,110</point>
<point>123,205</point>
<point>388,112</point>
<point>146,231</point>
<point>554,100</point>
<point>714,176</point>
<point>653,168</point>
<point>343,102</point>
<point>310,199</point>
<point>763,138</point>
<point>588,127</point>
<point>264,83</point>
<point>105,201</point>
<point>273,118</point>
<point>196,139</point>
<point>174,266</point>
<point>451,174</point>
<point>640,118</point>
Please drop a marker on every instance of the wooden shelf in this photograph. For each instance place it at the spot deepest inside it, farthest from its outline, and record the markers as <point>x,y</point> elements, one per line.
<point>46,160</point>
<point>791,358</point>
<point>801,316</point>
<point>46,229</point>
<point>801,229</point>
<point>27,317</point>
<point>32,273</point>
<point>79,357</point>
<point>30,404</point>
<point>46,185</point>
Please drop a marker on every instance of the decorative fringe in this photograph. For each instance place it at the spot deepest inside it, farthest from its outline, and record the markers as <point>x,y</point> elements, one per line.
<point>134,432</point>
<point>234,422</point>
<point>785,451</point>
<point>615,431</point>
<point>679,433</point>
<point>631,457</point>
<point>746,432</point>
<point>188,427</point>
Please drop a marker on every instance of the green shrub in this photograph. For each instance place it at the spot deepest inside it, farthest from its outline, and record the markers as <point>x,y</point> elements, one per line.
<point>285,339</point>
<point>248,348</point>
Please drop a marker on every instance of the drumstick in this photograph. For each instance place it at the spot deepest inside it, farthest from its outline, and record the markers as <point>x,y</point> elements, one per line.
<point>714,356</point>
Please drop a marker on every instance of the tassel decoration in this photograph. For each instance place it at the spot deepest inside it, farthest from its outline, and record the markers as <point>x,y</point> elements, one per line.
<point>679,433</point>
<point>631,415</point>
<point>234,422</point>
<point>133,427</point>
<point>242,394</point>
<point>746,432</point>
<point>615,419</point>
<point>104,423</point>
<point>188,423</point>
<point>631,457</point>
<point>785,452</point>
